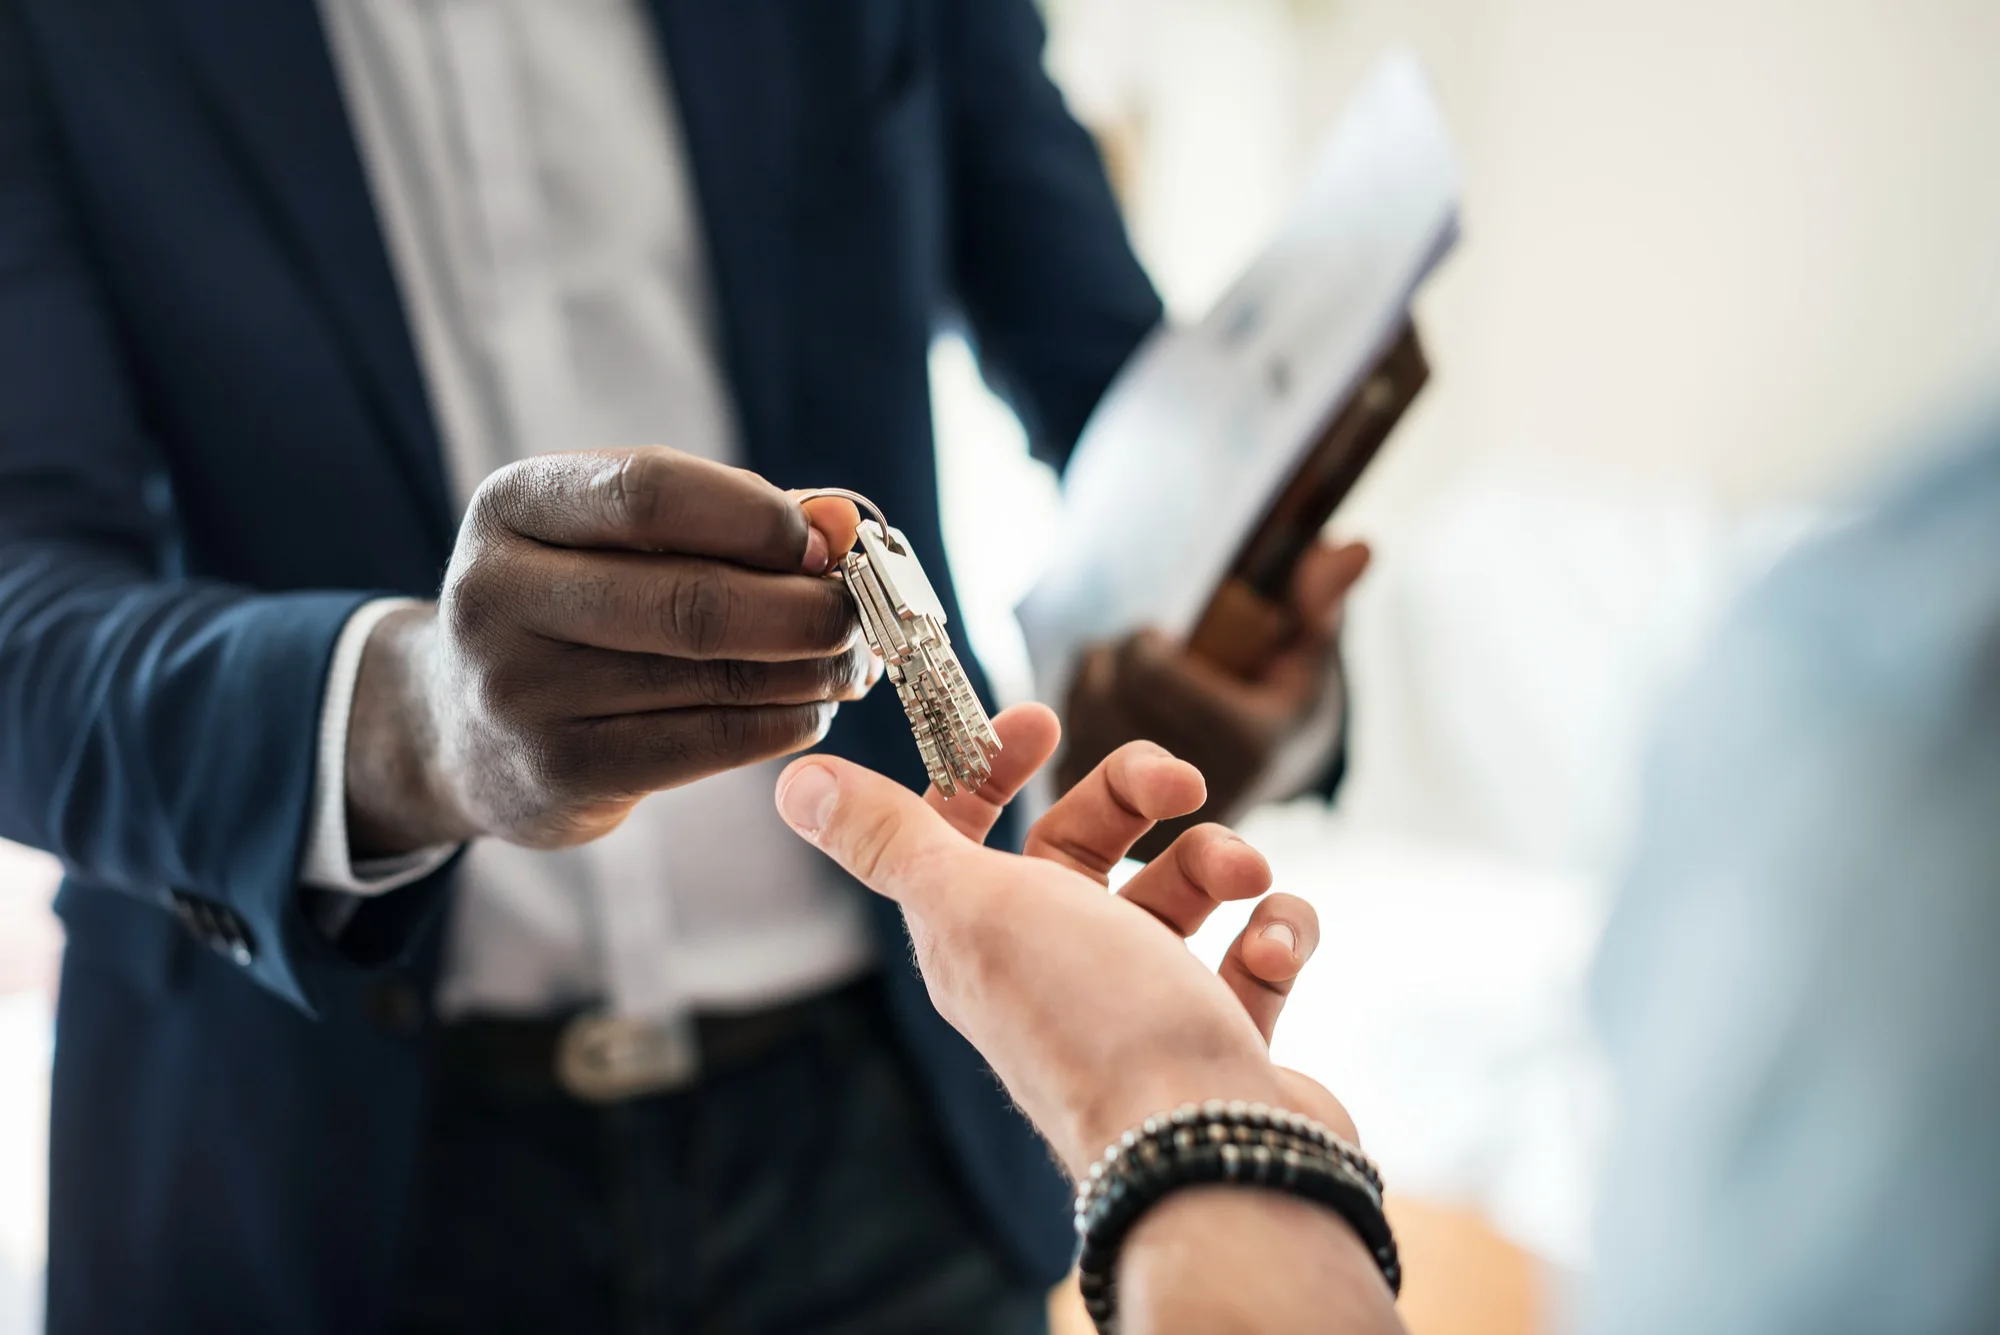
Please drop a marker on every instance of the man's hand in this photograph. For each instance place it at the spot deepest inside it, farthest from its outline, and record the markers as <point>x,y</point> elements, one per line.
<point>1147,686</point>
<point>1088,1005</point>
<point>1095,1015</point>
<point>611,624</point>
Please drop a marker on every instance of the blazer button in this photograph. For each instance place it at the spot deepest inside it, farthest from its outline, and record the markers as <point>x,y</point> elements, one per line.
<point>197,919</point>
<point>232,937</point>
<point>216,926</point>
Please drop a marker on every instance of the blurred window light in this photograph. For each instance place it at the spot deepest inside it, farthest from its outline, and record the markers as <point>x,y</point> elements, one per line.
<point>1000,506</point>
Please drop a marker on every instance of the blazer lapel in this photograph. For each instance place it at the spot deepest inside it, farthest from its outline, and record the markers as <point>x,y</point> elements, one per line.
<point>729,62</point>
<point>268,77</point>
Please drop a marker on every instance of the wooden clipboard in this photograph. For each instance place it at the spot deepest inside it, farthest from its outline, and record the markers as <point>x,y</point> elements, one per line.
<point>1248,619</point>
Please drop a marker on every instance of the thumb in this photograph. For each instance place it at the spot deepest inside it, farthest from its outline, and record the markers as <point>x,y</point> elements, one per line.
<point>886,836</point>
<point>1325,576</point>
<point>836,520</point>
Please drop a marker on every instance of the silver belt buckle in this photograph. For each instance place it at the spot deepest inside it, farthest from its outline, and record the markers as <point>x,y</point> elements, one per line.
<point>607,1058</point>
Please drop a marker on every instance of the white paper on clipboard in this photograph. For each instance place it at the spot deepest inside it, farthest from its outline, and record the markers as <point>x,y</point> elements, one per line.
<point>1206,423</point>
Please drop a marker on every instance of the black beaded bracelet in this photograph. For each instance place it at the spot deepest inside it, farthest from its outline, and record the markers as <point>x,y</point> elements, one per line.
<point>1251,1144</point>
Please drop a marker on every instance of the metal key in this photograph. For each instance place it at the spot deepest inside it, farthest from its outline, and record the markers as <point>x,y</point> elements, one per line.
<point>903,622</point>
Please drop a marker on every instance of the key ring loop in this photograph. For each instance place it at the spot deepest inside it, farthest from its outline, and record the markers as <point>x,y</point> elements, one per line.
<point>814,493</point>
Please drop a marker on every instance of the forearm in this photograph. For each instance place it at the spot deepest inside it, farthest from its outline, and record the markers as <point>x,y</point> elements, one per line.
<point>158,735</point>
<point>123,695</point>
<point>1220,1260</point>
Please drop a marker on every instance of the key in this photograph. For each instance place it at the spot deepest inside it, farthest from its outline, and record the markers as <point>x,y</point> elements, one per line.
<point>903,622</point>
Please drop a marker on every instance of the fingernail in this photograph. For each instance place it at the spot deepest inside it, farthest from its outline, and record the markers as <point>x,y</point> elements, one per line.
<point>807,799</point>
<point>1282,933</point>
<point>817,559</point>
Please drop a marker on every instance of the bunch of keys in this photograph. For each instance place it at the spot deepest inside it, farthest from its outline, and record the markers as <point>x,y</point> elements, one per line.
<point>903,622</point>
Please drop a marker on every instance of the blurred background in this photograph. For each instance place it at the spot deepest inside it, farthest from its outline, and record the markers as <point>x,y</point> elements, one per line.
<point>1722,260</point>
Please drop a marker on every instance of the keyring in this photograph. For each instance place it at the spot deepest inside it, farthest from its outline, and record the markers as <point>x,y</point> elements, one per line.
<point>814,493</point>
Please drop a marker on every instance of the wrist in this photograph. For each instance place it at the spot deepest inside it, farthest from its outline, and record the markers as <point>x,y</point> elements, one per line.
<point>1251,1152</point>
<point>1235,1258</point>
<point>398,798</point>
<point>1161,1089</point>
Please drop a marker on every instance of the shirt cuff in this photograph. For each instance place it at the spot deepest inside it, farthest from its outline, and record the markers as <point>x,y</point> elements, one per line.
<point>1305,755</point>
<point>328,863</point>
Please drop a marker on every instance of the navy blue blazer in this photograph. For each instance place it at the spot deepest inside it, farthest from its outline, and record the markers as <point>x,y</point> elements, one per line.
<point>215,444</point>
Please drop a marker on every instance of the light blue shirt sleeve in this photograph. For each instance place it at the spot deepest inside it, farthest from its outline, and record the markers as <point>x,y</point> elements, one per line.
<point>1800,988</point>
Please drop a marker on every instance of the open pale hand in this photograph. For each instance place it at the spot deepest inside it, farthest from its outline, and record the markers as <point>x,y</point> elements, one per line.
<point>1088,1005</point>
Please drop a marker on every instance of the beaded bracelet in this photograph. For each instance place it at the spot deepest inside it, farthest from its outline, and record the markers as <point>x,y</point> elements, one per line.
<point>1251,1144</point>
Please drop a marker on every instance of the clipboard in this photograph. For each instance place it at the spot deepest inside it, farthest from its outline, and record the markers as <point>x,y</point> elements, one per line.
<point>1249,620</point>
<point>1223,446</point>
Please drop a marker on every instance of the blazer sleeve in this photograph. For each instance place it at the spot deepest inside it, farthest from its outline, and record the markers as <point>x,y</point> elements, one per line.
<point>157,733</point>
<point>1053,296</point>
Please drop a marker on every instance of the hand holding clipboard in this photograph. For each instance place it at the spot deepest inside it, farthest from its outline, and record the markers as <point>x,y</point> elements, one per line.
<point>1215,459</point>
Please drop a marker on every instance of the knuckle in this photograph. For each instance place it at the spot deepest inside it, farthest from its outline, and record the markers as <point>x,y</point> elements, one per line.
<point>699,610</point>
<point>733,681</point>
<point>527,777</point>
<point>770,521</point>
<point>1119,786</point>
<point>663,677</point>
<point>487,601</point>
<point>786,533</point>
<point>505,688</point>
<point>1189,852</point>
<point>780,527</point>
<point>494,496</point>
<point>726,734</point>
<point>506,503</point>
<point>666,753</point>
<point>642,492</point>
<point>829,623</point>
<point>557,759</point>
<point>472,602</point>
<point>592,593</point>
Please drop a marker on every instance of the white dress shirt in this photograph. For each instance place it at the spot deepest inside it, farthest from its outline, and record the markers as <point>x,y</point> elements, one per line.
<point>526,161</point>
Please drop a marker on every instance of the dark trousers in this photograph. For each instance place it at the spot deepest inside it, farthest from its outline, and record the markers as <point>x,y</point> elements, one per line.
<point>802,1190</point>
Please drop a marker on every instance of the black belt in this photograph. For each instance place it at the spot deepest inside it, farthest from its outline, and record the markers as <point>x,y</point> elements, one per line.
<point>602,1058</point>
